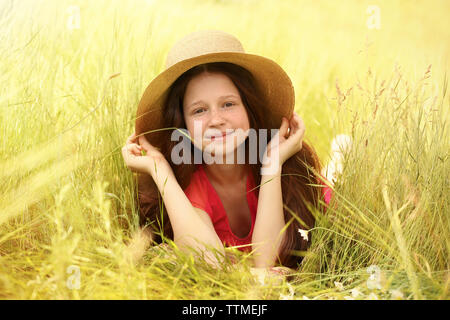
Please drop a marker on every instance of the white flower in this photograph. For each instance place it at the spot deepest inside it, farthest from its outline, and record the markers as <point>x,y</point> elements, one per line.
<point>396,294</point>
<point>304,234</point>
<point>286,297</point>
<point>339,285</point>
<point>372,296</point>
<point>340,145</point>
<point>289,296</point>
<point>375,278</point>
<point>260,274</point>
<point>355,292</point>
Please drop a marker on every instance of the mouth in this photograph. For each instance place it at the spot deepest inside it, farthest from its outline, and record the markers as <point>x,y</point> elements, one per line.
<point>222,136</point>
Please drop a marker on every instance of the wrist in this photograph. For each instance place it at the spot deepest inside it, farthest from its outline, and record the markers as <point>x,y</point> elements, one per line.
<point>159,175</point>
<point>162,181</point>
<point>272,159</point>
<point>271,169</point>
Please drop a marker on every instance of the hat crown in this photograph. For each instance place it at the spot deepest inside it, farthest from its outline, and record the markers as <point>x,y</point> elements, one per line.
<point>200,43</point>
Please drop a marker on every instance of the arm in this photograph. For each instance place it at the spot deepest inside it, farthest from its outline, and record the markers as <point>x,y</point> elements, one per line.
<point>191,227</point>
<point>267,236</point>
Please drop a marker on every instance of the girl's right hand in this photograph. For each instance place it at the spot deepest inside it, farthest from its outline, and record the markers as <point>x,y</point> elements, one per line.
<point>153,162</point>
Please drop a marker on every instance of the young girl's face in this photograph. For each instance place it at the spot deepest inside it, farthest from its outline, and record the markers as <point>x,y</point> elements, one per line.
<point>213,113</point>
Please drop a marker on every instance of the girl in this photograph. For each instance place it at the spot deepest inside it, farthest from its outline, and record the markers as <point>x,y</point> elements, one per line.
<point>219,94</point>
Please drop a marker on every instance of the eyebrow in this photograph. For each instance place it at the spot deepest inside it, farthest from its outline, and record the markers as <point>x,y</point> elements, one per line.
<point>221,97</point>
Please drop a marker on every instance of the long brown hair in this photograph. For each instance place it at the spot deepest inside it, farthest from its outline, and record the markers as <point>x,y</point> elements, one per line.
<point>297,177</point>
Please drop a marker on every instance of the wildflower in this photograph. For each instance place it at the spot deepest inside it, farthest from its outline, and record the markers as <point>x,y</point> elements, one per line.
<point>372,296</point>
<point>339,285</point>
<point>260,274</point>
<point>396,294</point>
<point>289,296</point>
<point>285,297</point>
<point>355,292</point>
<point>375,278</point>
<point>304,234</point>
<point>340,145</point>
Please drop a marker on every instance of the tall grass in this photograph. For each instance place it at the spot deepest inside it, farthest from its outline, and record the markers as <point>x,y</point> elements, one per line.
<point>68,98</point>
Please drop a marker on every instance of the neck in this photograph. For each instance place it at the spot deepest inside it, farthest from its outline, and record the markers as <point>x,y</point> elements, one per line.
<point>226,174</point>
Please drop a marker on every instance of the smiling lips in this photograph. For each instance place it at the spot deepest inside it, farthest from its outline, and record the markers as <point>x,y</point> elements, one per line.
<point>221,136</point>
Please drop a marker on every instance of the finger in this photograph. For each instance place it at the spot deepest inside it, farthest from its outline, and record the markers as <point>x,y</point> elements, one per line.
<point>126,155</point>
<point>134,149</point>
<point>284,127</point>
<point>145,144</point>
<point>128,158</point>
<point>300,131</point>
<point>300,124</point>
<point>295,119</point>
<point>292,126</point>
<point>131,138</point>
<point>297,123</point>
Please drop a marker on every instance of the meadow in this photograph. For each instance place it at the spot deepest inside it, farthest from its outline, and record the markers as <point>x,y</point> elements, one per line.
<point>72,73</point>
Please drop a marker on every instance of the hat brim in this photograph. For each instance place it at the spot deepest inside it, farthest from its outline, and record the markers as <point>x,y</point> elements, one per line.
<point>272,80</point>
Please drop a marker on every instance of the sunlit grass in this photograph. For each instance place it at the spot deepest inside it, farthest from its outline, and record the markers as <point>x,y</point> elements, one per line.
<point>68,100</point>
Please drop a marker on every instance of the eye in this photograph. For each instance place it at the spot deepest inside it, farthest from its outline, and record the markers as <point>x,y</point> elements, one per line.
<point>229,104</point>
<point>197,110</point>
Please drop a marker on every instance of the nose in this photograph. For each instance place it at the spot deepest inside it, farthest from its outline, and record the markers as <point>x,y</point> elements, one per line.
<point>216,119</point>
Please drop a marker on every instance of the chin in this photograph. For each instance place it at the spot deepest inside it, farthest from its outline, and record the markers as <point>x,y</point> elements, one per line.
<point>218,149</point>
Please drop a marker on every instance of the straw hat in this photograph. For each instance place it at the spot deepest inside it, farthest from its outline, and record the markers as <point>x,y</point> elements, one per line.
<point>214,46</point>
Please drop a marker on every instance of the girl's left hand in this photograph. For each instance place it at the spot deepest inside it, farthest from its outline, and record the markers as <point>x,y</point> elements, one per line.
<point>288,142</point>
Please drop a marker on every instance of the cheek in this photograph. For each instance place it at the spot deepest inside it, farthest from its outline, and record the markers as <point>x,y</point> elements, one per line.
<point>192,126</point>
<point>189,126</point>
<point>243,119</point>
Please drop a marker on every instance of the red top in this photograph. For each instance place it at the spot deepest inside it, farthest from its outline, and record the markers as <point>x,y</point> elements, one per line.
<point>202,195</point>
